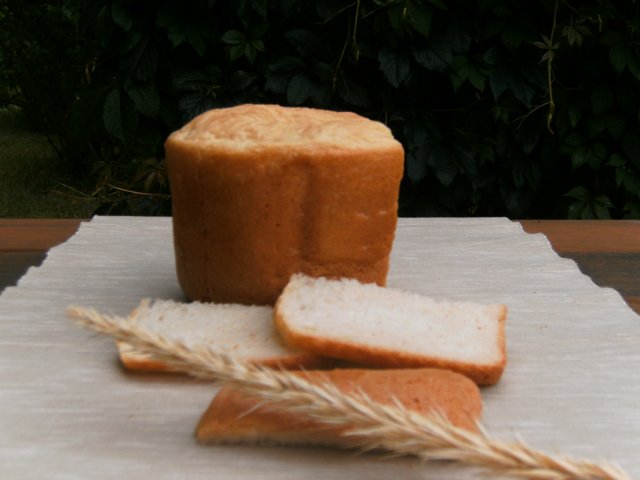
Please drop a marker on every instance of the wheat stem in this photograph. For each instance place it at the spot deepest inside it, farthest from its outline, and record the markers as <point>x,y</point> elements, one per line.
<point>374,425</point>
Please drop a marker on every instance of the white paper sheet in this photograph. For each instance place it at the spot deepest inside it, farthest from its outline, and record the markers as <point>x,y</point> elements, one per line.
<point>68,411</point>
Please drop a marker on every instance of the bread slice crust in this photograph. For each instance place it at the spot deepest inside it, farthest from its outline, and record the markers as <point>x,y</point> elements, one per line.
<point>232,417</point>
<point>321,340</point>
<point>245,332</point>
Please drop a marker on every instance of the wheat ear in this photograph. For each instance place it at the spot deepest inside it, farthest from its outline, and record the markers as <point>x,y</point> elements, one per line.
<point>393,428</point>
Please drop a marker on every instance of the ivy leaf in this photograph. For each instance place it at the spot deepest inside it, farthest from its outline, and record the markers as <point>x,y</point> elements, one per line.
<point>111,115</point>
<point>615,125</point>
<point>458,37</point>
<point>121,16</point>
<point>417,166</point>
<point>233,37</point>
<point>466,71</point>
<point>500,79</point>
<point>444,166</point>
<point>352,92</point>
<point>574,113</point>
<point>238,81</point>
<point>394,65</point>
<point>575,34</point>
<point>523,92</point>
<point>619,57</point>
<point>631,182</point>
<point>587,206</point>
<point>299,89</point>
<point>236,51</point>
<point>514,35</point>
<point>145,99</point>
<point>279,73</point>
<point>308,44</point>
<point>434,57</point>
<point>419,17</point>
<point>616,160</point>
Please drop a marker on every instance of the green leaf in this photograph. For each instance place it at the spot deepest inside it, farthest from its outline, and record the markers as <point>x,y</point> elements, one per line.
<point>580,156</point>
<point>619,57</point>
<point>616,160</point>
<point>257,44</point>
<point>121,16</point>
<point>352,92</point>
<point>111,115</point>
<point>145,99</point>
<point>631,146</point>
<point>631,182</point>
<point>574,140</point>
<point>394,65</point>
<point>573,35</point>
<point>633,63</point>
<point>236,51</point>
<point>419,17</point>
<point>233,37</point>
<point>579,193</point>
<point>466,71</point>
<point>299,89</point>
<point>433,57</point>
<point>500,79</point>
<point>308,43</point>
<point>513,36</point>
<point>601,206</point>
<point>417,166</point>
<point>444,166</point>
<point>523,92</point>
<point>250,53</point>
<point>279,73</point>
<point>574,113</point>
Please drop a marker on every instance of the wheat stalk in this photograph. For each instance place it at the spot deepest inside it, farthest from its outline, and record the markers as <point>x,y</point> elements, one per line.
<point>392,428</point>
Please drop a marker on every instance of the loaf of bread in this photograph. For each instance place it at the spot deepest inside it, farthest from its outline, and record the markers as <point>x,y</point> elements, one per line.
<point>234,418</point>
<point>389,328</point>
<point>261,192</point>
<point>243,332</point>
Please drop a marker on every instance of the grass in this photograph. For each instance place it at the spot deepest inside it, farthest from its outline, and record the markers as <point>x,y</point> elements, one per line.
<point>32,178</point>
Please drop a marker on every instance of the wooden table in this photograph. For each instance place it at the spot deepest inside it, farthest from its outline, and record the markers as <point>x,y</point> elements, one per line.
<point>606,250</point>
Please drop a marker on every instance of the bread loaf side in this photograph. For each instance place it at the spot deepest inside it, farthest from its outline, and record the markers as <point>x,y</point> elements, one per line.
<point>261,192</point>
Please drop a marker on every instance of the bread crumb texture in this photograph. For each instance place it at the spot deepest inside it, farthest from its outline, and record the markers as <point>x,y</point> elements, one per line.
<point>387,327</point>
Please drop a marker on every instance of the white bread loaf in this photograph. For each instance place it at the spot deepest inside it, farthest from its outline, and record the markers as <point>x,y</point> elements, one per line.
<point>261,192</point>
<point>384,327</point>
<point>243,332</point>
<point>234,418</point>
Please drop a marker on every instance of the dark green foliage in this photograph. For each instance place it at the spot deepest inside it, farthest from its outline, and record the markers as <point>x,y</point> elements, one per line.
<point>524,109</point>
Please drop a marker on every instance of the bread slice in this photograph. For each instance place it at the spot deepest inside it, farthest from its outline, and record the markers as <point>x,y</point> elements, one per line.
<point>244,332</point>
<point>234,418</point>
<point>383,327</point>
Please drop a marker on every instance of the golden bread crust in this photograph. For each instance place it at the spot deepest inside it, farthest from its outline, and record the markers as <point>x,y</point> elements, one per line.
<point>234,418</point>
<point>259,200</point>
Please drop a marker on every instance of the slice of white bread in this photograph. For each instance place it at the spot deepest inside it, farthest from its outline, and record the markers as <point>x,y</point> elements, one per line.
<point>389,328</point>
<point>232,417</point>
<point>244,332</point>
